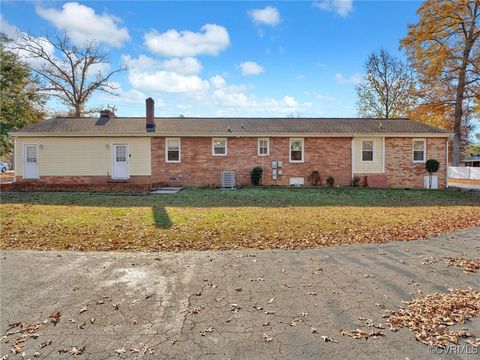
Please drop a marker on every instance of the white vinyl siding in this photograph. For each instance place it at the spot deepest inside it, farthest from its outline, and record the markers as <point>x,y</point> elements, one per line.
<point>84,156</point>
<point>362,150</point>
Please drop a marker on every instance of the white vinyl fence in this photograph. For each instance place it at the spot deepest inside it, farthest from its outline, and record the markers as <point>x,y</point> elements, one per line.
<point>464,172</point>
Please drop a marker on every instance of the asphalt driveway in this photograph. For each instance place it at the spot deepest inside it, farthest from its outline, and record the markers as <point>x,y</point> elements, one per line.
<point>225,305</point>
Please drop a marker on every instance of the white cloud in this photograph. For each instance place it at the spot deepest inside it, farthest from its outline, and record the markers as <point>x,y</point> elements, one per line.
<point>127,97</point>
<point>8,29</point>
<point>166,81</point>
<point>231,100</point>
<point>340,7</point>
<point>290,101</point>
<point>100,68</point>
<point>149,77</point>
<point>266,16</point>
<point>184,66</point>
<point>353,79</point>
<point>209,41</point>
<point>326,97</point>
<point>83,24</point>
<point>250,68</point>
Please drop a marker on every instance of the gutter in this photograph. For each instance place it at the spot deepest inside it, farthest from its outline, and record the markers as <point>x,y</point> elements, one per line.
<point>232,135</point>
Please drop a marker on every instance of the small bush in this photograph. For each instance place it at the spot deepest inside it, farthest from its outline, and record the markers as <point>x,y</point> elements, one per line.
<point>256,175</point>
<point>356,181</point>
<point>432,166</point>
<point>330,181</point>
<point>315,178</point>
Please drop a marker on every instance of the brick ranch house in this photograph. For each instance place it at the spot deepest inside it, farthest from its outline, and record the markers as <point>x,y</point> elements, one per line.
<point>195,151</point>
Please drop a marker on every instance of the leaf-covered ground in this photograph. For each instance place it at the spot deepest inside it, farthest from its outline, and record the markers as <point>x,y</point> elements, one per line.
<point>203,219</point>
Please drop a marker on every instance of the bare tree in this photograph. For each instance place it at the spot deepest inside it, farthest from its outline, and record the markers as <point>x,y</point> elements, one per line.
<point>387,90</point>
<point>69,73</point>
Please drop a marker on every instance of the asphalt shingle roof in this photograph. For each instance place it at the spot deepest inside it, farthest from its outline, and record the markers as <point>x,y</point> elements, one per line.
<point>228,126</point>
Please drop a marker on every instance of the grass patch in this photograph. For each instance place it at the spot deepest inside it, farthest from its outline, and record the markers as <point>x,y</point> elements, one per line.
<point>226,219</point>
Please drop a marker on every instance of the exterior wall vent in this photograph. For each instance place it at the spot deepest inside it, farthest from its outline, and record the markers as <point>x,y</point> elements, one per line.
<point>228,179</point>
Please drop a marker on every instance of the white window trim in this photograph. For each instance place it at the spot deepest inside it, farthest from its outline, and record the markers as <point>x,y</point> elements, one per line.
<point>290,150</point>
<point>213,147</point>
<point>179,150</point>
<point>268,146</point>
<point>373,151</point>
<point>424,151</point>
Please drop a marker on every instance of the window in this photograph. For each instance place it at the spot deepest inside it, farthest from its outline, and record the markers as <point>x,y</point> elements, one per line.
<point>367,150</point>
<point>419,149</point>
<point>120,153</point>
<point>263,147</point>
<point>31,153</point>
<point>296,150</point>
<point>172,150</point>
<point>219,147</point>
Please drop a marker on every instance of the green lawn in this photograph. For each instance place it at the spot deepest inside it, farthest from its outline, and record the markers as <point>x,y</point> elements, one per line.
<point>226,219</point>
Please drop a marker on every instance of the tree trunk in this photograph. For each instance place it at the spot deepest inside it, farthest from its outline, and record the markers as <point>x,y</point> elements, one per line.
<point>458,114</point>
<point>78,110</point>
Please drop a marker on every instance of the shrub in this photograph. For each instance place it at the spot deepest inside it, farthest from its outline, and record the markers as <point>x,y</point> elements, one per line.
<point>432,166</point>
<point>315,178</point>
<point>356,181</point>
<point>330,181</point>
<point>256,175</point>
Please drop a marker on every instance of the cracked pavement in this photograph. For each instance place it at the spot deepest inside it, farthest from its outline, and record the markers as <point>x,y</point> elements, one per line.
<point>268,304</point>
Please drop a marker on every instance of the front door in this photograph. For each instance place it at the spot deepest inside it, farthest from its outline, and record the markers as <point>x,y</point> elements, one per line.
<point>30,162</point>
<point>120,161</point>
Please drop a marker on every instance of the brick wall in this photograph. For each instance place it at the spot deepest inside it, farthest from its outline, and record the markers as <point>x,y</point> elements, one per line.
<point>330,156</point>
<point>143,179</point>
<point>66,186</point>
<point>402,172</point>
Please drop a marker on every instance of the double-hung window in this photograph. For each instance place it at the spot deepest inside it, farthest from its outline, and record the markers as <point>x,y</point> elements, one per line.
<point>263,147</point>
<point>296,150</point>
<point>219,147</point>
<point>367,150</point>
<point>419,150</point>
<point>172,150</point>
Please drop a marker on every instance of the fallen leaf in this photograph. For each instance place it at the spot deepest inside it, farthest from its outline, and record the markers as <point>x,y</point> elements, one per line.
<point>77,350</point>
<point>267,338</point>
<point>55,317</point>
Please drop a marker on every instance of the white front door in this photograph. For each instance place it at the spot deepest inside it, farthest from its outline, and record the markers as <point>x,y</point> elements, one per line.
<point>120,161</point>
<point>30,162</point>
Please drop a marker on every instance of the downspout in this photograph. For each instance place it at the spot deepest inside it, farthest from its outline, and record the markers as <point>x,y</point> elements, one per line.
<point>446,165</point>
<point>352,157</point>
<point>14,159</point>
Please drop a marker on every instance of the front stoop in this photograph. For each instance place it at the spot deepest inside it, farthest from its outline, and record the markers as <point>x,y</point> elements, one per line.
<point>165,190</point>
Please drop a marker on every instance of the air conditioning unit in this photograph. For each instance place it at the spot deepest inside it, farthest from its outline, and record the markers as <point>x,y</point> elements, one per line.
<point>228,179</point>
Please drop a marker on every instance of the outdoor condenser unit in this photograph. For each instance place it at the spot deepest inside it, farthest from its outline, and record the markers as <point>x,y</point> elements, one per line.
<point>228,179</point>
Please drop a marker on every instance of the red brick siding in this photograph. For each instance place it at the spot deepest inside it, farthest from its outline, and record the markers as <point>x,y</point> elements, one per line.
<point>330,156</point>
<point>65,186</point>
<point>373,180</point>
<point>400,169</point>
<point>144,179</point>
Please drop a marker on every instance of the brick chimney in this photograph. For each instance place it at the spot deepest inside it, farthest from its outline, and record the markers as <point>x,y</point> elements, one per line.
<point>150,123</point>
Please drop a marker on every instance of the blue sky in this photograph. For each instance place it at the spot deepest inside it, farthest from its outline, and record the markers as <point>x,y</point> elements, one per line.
<point>227,58</point>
